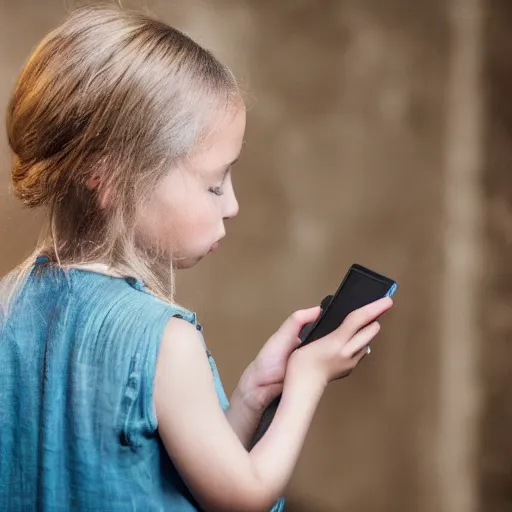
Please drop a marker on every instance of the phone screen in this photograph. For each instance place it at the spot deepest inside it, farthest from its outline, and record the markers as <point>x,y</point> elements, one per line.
<point>358,290</point>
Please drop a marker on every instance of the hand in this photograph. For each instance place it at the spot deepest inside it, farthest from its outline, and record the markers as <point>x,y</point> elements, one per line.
<point>262,381</point>
<point>334,356</point>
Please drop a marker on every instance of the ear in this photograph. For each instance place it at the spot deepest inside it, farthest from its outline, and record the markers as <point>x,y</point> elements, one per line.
<point>104,196</point>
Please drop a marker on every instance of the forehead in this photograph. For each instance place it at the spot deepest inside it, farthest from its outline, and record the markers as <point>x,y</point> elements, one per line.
<point>224,142</point>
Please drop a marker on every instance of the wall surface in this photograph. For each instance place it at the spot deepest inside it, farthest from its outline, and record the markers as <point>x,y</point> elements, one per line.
<point>354,132</point>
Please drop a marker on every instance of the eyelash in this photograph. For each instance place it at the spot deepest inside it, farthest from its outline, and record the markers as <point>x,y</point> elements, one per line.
<point>216,191</point>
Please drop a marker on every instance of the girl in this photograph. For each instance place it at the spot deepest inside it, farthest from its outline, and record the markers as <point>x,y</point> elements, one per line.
<point>125,131</point>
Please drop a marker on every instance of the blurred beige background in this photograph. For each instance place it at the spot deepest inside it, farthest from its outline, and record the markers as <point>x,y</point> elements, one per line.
<point>378,133</point>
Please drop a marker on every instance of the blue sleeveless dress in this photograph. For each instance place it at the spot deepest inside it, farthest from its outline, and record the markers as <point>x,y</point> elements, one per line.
<point>78,429</point>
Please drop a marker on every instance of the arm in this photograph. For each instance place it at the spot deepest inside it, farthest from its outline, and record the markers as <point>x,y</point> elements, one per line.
<point>219,471</point>
<point>263,379</point>
<point>242,418</point>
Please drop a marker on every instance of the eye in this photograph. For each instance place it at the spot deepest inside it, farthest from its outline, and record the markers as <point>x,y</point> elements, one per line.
<point>216,191</point>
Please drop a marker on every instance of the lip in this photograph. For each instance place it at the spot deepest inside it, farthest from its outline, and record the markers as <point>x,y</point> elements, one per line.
<point>214,246</point>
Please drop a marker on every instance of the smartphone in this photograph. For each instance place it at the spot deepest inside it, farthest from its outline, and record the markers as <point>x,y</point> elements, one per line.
<point>360,287</point>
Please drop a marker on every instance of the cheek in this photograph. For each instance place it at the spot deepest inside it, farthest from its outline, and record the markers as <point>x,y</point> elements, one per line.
<point>159,221</point>
<point>177,225</point>
<point>196,222</point>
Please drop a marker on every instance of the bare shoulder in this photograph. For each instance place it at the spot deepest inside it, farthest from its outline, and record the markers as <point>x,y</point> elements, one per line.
<point>181,348</point>
<point>178,329</point>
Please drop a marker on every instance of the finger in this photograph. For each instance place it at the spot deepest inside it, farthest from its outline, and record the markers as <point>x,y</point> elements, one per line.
<point>365,351</point>
<point>361,340</point>
<point>295,322</point>
<point>364,316</point>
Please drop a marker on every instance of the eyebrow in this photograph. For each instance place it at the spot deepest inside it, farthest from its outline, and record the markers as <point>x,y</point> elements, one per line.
<point>233,162</point>
<point>228,166</point>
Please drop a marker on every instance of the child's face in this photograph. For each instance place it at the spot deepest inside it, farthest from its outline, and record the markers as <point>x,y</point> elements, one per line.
<point>185,216</point>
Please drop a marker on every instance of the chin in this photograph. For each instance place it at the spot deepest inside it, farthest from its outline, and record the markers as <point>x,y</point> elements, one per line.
<point>187,263</point>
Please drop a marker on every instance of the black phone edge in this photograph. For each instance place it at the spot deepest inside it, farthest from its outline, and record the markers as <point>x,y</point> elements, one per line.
<point>355,267</point>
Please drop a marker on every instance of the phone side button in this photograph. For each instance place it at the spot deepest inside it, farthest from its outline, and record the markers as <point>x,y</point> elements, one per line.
<point>392,290</point>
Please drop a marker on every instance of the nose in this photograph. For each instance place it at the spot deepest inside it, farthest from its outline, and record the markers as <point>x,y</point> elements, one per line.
<point>232,207</point>
<point>231,204</point>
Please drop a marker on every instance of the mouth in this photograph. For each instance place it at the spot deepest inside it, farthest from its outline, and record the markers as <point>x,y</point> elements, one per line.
<point>214,246</point>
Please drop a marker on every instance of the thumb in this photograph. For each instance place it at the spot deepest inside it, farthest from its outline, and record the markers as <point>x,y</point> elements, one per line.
<point>292,326</point>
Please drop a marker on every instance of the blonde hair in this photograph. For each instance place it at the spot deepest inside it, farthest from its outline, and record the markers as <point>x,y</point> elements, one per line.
<point>117,97</point>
